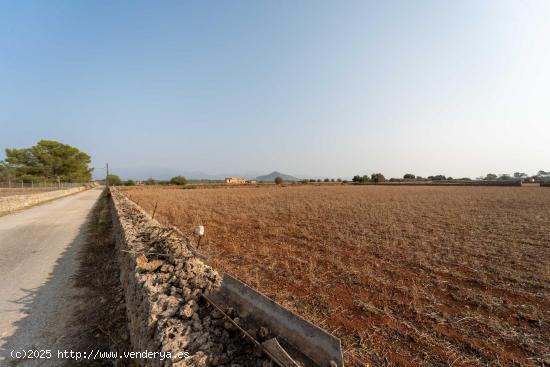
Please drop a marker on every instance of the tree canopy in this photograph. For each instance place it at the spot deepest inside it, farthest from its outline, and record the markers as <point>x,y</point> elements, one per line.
<point>51,160</point>
<point>377,177</point>
<point>114,180</point>
<point>178,180</point>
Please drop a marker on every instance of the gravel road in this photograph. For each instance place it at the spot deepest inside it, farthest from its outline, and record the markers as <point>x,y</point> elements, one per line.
<point>38,256</point>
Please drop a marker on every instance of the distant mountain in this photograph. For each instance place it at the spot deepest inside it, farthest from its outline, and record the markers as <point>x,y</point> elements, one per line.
<point>165,173</point>
<point>274,174</point>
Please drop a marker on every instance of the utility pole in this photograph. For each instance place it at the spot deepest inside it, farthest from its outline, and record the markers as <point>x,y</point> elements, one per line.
<point>107,177</point>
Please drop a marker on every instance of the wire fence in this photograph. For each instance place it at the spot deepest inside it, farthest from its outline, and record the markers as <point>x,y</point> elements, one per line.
<point>38,185</point>
<point>10,188</point>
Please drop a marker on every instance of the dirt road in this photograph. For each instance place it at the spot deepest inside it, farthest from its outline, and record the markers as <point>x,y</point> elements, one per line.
<point>38,249</point>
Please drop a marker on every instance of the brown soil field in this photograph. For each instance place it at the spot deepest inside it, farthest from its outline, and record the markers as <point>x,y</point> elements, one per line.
<point>407,276</point>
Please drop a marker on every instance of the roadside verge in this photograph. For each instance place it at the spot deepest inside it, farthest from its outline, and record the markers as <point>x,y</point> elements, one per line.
<point>13,203</point>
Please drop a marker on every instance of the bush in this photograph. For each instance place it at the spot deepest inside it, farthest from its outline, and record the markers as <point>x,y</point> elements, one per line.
<point>378,177</point>
<point>151,181</point>
<point>30,178</point>
<point>114,180</point>
<point>326,180</point>
<point>409,176</point>
<point>361,179</point>
<point>129,183</point>
<point>278,180</point>
<point>178,180</point>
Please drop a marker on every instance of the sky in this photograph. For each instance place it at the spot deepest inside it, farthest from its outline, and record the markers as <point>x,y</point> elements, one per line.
<point>308,88</point>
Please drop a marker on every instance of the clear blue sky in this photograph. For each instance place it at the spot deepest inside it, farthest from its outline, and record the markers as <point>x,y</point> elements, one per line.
<point>304,87</point>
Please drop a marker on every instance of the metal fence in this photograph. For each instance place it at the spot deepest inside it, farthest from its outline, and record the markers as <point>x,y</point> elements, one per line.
<point>39,186</point>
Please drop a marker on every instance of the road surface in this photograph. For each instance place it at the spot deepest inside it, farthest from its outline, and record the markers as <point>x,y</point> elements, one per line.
<point>38,255</point>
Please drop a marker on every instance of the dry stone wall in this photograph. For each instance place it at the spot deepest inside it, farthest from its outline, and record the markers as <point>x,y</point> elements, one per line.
<point>16,202</point>
<point>163,283</point>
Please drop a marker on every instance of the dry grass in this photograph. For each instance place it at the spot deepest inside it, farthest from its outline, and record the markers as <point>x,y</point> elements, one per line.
<point>404,275</point>
<point>101,312</point>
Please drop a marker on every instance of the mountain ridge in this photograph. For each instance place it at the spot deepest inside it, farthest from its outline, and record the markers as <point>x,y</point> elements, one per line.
<point>271,176</point>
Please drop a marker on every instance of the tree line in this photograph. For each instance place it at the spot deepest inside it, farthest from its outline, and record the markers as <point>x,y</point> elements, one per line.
<point>378,177</point>
<point>115,180</point>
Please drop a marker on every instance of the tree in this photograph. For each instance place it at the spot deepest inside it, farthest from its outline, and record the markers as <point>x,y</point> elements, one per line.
<point>151,181</point>
<point>326,180</point>
<point>378,177</point>
<point>129,183</point>
<point>357,178</point>
<point>114,180</point>
<point>490,177</point>
<point>437,178</point>
<point>409,176</point>
<point>504,177</point>
<point>520,175</point>
<point>278,180</point>
<point>50,159</point>
<point>178,180</point>
<point>7,173</point>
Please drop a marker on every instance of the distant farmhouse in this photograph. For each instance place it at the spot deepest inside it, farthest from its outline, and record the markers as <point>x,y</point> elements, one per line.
<point>236,180</point>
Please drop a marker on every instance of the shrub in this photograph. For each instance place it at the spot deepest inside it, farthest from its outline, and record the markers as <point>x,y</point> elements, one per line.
<point>114,180</point>
<point>151,181</point>
<point>129,183</point>
<point>409,176</point>
<point>30,178</point>
<point>361,179</point>
<point>178,180</point>
<point>278,180</point>
<point>378,177</point>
